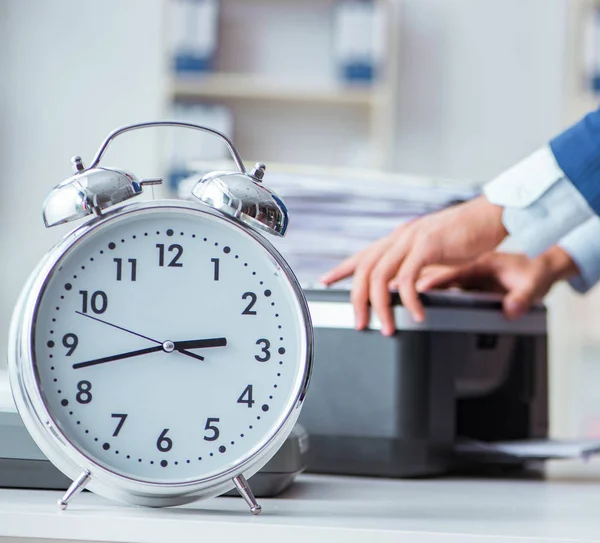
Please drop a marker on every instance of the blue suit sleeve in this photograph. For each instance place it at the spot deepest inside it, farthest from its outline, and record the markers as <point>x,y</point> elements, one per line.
<point>577,152</point>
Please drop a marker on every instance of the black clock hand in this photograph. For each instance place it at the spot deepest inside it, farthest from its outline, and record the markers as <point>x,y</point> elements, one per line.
<point>182,350</point>
<point>200,343</point>
<point>120,356</point>
<point>192,355</point>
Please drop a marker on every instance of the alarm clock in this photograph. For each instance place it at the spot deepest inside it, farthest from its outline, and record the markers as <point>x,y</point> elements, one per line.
<point>160,352</point>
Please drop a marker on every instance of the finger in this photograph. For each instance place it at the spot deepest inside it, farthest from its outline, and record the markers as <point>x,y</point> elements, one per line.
<point>379,294</point>
<point>379,286</point>
<point>478,276</point>
<point>360,284</point>
<point>341,271</point>
<point>518,301</point>
<point>406,280</point>
<point>359,296</point>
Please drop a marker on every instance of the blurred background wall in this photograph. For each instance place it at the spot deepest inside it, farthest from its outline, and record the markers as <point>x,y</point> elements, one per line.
<point>469,87</point>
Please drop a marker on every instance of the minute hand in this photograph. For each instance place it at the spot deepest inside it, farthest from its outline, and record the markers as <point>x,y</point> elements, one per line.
<point>200,343</point>
<point>182,351</point>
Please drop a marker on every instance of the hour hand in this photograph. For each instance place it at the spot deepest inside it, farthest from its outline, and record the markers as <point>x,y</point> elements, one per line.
<point>119,356</point>
<point>200,343</point>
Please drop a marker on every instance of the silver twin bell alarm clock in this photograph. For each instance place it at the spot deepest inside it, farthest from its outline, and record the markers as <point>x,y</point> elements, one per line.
<point>161,351</point>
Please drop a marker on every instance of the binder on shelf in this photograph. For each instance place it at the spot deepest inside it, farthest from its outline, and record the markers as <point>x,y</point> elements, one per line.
<point>359,30</point>
<point>194,33</point>
<point>187,147</point>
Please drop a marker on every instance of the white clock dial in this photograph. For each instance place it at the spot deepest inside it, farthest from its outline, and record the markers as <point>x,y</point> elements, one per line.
<point>169,346</point>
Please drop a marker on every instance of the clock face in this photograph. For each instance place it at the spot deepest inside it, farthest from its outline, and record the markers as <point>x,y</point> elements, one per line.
<point>169,345</point>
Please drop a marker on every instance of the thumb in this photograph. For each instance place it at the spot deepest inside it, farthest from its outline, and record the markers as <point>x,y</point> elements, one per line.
<point>517,302</point>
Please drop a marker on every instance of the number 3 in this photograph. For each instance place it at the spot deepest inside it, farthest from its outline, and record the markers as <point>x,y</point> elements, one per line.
<point>265,350</point>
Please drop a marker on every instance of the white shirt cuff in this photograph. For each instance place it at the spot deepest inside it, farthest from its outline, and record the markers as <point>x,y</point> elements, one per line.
<point>541,204</point>
<point>526,181</point>
<point>584,249</point>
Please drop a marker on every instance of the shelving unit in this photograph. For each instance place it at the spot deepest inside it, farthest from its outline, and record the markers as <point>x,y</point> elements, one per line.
<point>251,87</point>
<point>279,80</point>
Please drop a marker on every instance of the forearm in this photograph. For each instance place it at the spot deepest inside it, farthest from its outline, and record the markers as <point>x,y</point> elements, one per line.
<point>540,204</point>
<point>486,217</point>
<point>542,224</point>
<point>554,190</point>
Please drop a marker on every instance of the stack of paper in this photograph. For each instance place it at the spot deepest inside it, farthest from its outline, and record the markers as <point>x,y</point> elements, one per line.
<point>332,218</point>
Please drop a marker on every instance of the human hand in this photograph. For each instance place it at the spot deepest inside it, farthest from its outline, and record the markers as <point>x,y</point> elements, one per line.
<point>452,236</point>
<point>521,279</point>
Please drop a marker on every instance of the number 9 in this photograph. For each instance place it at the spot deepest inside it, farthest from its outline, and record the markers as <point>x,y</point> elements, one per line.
<point>70,341</point>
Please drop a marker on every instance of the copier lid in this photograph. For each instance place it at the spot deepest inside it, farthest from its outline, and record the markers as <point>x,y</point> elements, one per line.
<point>446,310</point>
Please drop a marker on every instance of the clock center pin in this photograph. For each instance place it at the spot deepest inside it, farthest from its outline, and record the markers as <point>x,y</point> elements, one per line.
<point>168,346</point>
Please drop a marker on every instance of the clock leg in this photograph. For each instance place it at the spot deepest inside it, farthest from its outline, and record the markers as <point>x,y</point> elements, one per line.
<point>246,492</point>
<point>76,487</point>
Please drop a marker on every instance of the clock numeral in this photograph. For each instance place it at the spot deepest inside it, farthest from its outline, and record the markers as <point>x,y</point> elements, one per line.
<point>210,426</point>
<point>164,443</point>
<point>175,260</point>
<point>265,349</point>
<point>215,261</point>
<point>70,341</point>
<point>121,422</point>
<point>132,261</point>
<point>98,301</point>
<point>253,298</point>
<point>84,394</point>
<point>246,397</point>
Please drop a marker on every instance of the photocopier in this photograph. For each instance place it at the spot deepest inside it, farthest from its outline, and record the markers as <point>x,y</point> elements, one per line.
<point>467,390</point>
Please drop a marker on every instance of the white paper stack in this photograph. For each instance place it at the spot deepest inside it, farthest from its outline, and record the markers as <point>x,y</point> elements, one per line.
<point>332,218</point>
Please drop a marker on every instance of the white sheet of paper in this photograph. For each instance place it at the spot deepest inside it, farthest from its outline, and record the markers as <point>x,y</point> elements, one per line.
<point>536,449</point>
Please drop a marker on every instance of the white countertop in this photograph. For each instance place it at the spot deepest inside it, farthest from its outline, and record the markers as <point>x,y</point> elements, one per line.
<point>331,509</point>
